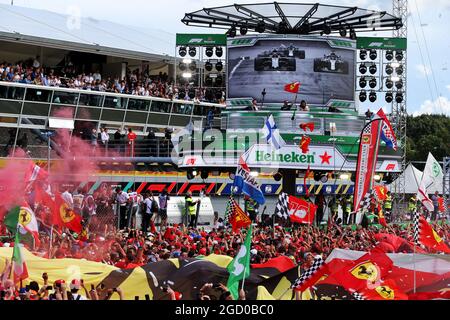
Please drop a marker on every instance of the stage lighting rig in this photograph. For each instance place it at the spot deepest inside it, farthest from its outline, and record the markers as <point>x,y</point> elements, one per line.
<point>219,52</point>
<point>363,54</point>
<point>192,51</point>
<point>363,96</point>
<point>389,97</point>
<point>363,69</point>
<point>372,96</point>
<point>209,52</point>
<point>182,51</point>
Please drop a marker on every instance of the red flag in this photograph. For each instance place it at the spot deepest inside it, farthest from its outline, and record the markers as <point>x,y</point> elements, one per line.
<point>381,218</point>
<point>238,217</point>
<point>381,192</point>
<point>441,204</point>
<point>35,173</point>
<point>429,238</point>
<point>366,164</point>
<point>304,144</point>
<point>292,87</point>
<point>365,273</point>
<point>281,264</point>
<point>309,125</point>
<point>63,216</point>
<point>301,211</point>
<point>304,180</point>
<point>43,197</point>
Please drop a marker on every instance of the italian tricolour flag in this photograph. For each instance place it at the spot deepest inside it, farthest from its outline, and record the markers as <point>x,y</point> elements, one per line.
<point>18,262</point>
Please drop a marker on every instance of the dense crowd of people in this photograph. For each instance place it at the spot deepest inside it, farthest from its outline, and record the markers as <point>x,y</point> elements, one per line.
<point>136,82</point>
<point>128,230</point>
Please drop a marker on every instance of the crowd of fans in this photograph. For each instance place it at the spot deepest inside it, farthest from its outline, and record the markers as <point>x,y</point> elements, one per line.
<point>136,82</point>
<point>129,242</point>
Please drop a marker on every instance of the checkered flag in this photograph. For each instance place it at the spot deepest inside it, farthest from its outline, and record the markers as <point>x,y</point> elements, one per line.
<point>308,274</point>
<point>282,207</point>
<point>416,227</point>
<point>365,202</point>
<point>358,296</point>
<point>230,209</point>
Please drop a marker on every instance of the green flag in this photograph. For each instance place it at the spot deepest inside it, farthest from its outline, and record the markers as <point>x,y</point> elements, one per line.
<point>239,268</point>
<point>12,219</point>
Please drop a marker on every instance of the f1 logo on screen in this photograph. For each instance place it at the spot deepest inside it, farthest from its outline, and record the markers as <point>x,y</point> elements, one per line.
<point>390,167</point>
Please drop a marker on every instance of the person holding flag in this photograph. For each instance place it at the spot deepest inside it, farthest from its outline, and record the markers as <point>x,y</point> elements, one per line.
<point>239,268</point>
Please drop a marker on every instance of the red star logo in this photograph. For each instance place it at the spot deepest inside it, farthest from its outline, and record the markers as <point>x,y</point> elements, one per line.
<point>325,158</point>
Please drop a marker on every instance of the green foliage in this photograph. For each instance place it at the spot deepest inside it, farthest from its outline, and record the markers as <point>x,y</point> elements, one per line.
<point>428,133</point>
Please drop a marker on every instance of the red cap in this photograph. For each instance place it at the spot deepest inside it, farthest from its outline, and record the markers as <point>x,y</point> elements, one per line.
<point>202,251</point>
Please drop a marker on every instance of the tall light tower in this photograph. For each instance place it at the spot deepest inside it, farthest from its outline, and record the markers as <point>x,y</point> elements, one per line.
<point>399,110</point>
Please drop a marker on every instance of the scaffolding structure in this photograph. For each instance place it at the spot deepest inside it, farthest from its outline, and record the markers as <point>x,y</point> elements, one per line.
<point>399,110</point>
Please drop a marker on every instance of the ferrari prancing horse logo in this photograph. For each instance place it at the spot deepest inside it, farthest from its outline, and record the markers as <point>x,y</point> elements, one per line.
<point>66,214</point>
<point>24,217</point>
<point>366,271</point>
<point>385,292</point>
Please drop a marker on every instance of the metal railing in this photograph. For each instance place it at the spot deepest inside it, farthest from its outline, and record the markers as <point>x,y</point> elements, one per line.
<point>19,100</point>
<point>346,125</point>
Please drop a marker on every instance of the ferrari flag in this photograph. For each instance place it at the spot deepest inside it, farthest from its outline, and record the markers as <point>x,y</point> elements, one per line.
<point>292,87</point>
<point>367,160</point>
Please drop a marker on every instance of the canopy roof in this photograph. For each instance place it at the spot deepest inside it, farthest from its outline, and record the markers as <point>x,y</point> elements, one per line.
<point>54,30</point>
<point>293,18</point>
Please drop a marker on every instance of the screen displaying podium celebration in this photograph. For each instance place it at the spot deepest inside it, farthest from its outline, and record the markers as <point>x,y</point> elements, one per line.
<point>324,66</point>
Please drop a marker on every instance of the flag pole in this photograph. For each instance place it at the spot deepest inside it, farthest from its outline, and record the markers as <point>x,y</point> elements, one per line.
<point>243,279</point>
<point>51,242</point>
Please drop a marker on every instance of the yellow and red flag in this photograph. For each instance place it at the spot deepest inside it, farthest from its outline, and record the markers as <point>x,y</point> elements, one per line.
<point>292,87</point>
<point>429,238</point>
<point>64,216</point>
<point>238,217</point>
<point>381,192</point>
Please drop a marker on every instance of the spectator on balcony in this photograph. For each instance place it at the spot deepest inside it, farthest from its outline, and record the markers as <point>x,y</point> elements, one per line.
<point>131,141</point>
<point>118,140</point>
<point>286,106</point>
<point>303,106</point>
<point>36,62</point>
<point>151,143</point>
<point>210,118</point>
<point>104,136</point>
<point>97,76</point>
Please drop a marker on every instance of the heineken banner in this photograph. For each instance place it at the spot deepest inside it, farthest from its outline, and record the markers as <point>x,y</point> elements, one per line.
<point>198,40</point>
<point>367,159</point>
<point>290,156</point>
<point>381,43</point>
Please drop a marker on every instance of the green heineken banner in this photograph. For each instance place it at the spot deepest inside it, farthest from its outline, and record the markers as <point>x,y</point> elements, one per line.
<point>381,43</point>
<point>192,39</point>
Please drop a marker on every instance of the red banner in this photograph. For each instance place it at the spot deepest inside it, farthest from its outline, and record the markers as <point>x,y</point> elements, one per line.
<point>301,211</point>
<point>367,160</point>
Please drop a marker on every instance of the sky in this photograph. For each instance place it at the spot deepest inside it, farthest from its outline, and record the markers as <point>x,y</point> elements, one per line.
<point>428,40</point>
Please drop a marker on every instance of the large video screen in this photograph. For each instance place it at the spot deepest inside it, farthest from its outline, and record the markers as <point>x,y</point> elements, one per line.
<point>325,67</point>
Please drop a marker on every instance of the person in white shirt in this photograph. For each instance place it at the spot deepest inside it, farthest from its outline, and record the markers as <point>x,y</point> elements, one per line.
<point>133,196</point>
<point>67,197</point>
<point>75,286</point>
<point>122,200</point>
<point>97,76</point>
<point>104,136</point>
<point>36,63</point>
